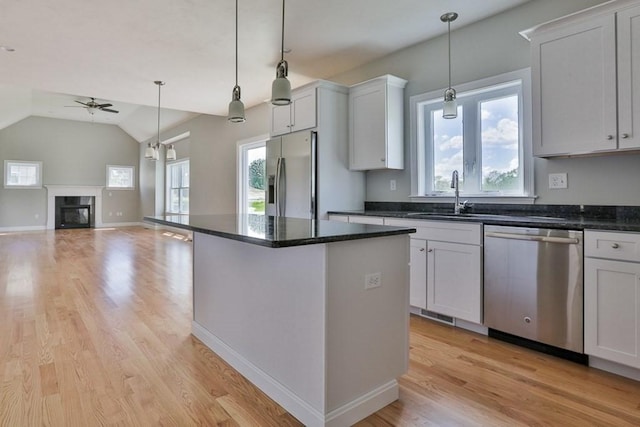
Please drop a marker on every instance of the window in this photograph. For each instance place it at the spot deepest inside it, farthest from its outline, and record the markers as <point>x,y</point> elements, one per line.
<point>20,174</point>
<point>488,143</point>
<point>178,187</point>
<point>120,177</point>
<point>252,156</point>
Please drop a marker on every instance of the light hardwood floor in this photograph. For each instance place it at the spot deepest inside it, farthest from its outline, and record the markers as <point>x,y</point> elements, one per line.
<point>95,330</point>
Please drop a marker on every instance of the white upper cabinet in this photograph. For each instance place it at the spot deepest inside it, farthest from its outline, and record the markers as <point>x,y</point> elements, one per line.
<point>576,106</point>
<point>376,123</point>
<point>299,115</point>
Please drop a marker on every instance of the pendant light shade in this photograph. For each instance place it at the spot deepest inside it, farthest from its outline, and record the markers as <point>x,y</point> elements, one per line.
<point>281,88</point>
<point>171,152</point>
<point>148,152</point>
<point>236,107</point>
<point>450,109</point>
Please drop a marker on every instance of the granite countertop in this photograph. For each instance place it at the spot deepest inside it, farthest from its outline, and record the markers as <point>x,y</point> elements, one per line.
<point>611,218</point>
<point>276,232</point>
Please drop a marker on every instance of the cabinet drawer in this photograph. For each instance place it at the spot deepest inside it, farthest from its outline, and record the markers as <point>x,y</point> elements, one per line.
<point>612,245</point>
<point>444,231</point>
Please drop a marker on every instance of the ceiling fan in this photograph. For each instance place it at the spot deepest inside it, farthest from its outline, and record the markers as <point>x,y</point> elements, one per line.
<point>92,106</point>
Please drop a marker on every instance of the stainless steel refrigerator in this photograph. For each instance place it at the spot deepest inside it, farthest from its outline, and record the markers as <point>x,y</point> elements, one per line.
<point>291,175</point>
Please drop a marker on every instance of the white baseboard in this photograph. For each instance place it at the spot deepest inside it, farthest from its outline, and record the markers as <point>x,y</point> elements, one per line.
<point>346,415</point>
<point>23,228</point>
<point>614,368</point>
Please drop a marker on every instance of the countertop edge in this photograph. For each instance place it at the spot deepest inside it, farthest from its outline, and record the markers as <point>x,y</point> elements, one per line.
<point>508,220</point>
<point>391,231</point>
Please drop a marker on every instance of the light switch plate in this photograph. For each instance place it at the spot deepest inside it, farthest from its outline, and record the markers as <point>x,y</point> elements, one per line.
<point>557,180</point>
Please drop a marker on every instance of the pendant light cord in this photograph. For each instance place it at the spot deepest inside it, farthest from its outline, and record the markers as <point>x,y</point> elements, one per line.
<point>449,37</point>
<point>282,46</point>
<point>236,42</point>
<point>159,87</point>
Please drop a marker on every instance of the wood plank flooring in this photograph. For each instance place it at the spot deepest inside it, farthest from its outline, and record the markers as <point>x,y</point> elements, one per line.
<point>95,330</point>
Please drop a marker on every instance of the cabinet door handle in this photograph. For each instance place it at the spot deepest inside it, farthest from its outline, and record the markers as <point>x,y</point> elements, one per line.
<point>625,135</point>
<point>430,250</point>
<point>421,249</point>
<point>609,137</point>
<point>382,159</point>
<point>615,246</point>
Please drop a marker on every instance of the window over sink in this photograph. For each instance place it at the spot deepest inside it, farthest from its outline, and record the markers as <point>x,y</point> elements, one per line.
<point>488,143</point>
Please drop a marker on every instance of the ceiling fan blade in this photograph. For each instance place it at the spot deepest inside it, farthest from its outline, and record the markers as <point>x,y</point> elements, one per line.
<point>74,106</point>
<point>103,105</point>
<point>83,103</point>
<point>108,110</point>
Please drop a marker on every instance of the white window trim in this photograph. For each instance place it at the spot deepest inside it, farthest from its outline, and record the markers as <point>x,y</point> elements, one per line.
<point>418,158</point>
<point>36,186</point>
<point>243,146</point>
<point>133,177</point>
<point>167,187</point>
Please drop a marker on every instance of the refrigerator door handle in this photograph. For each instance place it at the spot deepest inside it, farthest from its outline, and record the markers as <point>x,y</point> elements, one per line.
<point>282,187</point>
<point>277,187</point>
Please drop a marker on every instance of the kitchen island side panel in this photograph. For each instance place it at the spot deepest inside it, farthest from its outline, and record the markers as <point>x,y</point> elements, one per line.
<point>367,329</point>
<point>267,305</point>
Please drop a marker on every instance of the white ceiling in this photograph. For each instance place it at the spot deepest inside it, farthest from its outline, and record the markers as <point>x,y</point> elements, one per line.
<point>113,50</point>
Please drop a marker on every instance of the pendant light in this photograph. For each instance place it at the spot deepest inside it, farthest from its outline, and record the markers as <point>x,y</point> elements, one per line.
<point>236,107</point>
<point>281,88</point>
<point>450,110</point>
<point>171,152</point>
<point>152,151</point>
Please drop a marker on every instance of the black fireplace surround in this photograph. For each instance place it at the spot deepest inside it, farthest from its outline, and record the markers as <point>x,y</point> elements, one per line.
<point>74,212</point>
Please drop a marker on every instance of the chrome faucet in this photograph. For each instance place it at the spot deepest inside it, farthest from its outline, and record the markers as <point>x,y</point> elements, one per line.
<point>457,206</point>
<point>454,184</point>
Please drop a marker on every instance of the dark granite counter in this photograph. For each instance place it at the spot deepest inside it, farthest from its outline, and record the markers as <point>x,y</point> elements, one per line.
<point>614,218</point>
<point>276,232</point>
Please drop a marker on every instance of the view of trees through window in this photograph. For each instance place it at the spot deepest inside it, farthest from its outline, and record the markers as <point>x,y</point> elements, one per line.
<point>256,159</point>
<point>482,143</point>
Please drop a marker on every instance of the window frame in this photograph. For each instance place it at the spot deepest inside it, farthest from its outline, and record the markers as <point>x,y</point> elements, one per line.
<point>421,167</point>
<point>243,147</point>
<point>168,187</point>
<point>132,170</point>
<point>37,164</point>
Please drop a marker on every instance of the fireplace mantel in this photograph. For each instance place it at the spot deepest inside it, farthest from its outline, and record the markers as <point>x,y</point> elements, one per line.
<point>72,190</point>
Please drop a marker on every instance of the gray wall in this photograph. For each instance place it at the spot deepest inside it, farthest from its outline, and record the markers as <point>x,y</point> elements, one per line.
<point>481,50</point>
<point>485,49</point>
<point>72,153</point>
<point>212,149</point>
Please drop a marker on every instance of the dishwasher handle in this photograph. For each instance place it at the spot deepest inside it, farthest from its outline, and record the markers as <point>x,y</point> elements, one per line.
<point>533,238</point>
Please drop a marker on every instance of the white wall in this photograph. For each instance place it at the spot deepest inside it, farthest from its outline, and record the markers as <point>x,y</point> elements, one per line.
<point>72,153</point>
<point>484,49</point>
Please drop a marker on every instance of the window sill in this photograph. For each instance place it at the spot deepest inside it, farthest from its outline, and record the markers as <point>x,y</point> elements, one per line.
<point>525,200</point>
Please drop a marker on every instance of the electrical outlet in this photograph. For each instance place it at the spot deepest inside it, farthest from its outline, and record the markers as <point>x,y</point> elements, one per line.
<point>392,185</point>
<point>557,180</point>
<point>373,280</point>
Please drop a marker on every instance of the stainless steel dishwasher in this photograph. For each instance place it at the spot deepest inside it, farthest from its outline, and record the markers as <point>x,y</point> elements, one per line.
<point>533,284</point>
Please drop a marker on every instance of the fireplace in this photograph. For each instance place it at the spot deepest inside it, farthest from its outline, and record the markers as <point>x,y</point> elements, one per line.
<point>74,212</point>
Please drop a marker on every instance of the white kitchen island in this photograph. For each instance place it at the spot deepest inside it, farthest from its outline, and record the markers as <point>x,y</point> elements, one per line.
<point>285,302</point>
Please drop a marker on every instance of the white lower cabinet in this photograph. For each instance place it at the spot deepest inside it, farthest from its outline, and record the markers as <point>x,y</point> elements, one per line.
<point>454,283</point>
<point>612,297</point>
<point>418,273</point>
<point>447,272</point>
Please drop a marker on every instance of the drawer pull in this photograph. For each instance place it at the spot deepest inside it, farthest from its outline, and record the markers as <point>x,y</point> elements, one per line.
<point>615,246</point>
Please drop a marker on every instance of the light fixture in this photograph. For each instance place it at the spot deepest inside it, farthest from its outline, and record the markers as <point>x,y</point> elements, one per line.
<point>171,153</point>
<point>148,152</point>
<point>281,88</point>
<point>450,110</point>
<point>152,151</point>
<point>236,107</point>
